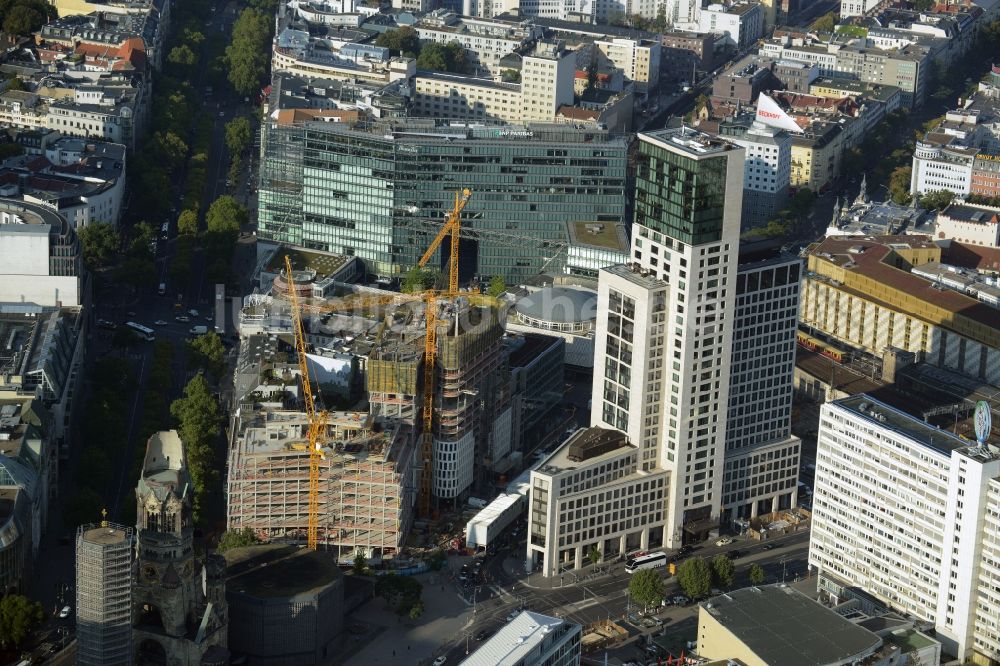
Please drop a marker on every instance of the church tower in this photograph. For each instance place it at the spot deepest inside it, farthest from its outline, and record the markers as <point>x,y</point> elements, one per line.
<point>179,617</point>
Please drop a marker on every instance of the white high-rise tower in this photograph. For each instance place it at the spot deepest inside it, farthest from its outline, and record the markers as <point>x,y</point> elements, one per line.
<point>662,349</point>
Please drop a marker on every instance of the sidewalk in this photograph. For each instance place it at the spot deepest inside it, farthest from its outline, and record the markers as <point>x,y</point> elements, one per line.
<point>405,642</point>
<point>513,566</point>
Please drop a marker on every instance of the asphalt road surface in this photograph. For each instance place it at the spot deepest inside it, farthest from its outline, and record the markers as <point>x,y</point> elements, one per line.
<point>585,598</point>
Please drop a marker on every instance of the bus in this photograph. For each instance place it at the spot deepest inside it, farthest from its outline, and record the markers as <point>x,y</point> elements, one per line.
<point>647,561</point>
<point>141,331</point>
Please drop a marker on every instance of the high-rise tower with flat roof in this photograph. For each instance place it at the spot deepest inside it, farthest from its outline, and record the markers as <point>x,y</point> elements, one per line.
<point>673,404</point>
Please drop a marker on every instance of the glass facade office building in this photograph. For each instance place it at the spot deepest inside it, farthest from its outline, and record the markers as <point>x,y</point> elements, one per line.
<point>380,190</point>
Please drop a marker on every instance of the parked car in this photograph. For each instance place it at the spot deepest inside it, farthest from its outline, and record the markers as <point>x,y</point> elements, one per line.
<point>482,635</point>
<point>768,546</point>
<point>160,322</point>
<point>724,541</point>
<point>65,611</point>
<point>440,660</point>
<point>735,554</point>
<point>512,615</point>
<point>680,600</point>
<point>182,318</point>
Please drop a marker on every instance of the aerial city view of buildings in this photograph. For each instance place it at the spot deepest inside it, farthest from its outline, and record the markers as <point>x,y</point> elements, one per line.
<point>510,332</point>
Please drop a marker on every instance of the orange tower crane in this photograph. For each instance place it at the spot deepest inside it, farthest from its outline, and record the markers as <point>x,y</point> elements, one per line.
<point>317,420</point>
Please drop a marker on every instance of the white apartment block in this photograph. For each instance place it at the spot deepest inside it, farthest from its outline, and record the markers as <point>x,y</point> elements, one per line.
<point>592,491</point>
<point>850,8</point>
<point>681,14</point>
<point>486,41</point>
<point>938,167</point>
<point>639,59</point>
<point>741,23</point>
<point>761,466</point>
<point>546,84</point>
<point>767,173</point>
<point>907,512</point>
<point>668,388</point>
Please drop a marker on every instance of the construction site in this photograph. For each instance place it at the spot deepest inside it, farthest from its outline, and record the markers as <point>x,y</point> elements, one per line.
<point>432,420</point>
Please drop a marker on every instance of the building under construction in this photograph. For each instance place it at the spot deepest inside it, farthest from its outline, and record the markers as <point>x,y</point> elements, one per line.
<point>371,467</point>
<point>367,481</point>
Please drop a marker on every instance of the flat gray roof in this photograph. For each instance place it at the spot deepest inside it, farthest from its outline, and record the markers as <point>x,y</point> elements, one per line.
<point>786,628</point>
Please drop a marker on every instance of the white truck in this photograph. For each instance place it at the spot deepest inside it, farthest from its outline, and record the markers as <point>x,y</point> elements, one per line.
<point>198,330</point>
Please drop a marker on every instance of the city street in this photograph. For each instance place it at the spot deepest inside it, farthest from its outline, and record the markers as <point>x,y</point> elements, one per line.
<point>585,596</point>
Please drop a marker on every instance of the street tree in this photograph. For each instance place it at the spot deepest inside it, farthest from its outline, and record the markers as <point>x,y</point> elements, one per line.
<point>402,41</point>
<point>197,414</point>
<point>899,184</point>
<point>225,216</point>
<point>360,567</point>
<point>497,286</point>
<point>182,55</point>
<point>756,574</point>
<point>418,279</point>
<point>208,353</point>
<point>416,610</point>
<point>248,54</point>
<point>594,555</point>
<point>100,244</point>
<point>237,539</point>
<point>937,199</point>
<point>723,571</point>
<point>187,222</point>
<point>239,133</point>
<point>646,587</point>
<point>825,23</point>
<point>19,616</point>
<point>695,577</point>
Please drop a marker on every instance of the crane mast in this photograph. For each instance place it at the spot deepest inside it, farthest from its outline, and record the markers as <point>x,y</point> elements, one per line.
<point>316,421</point>
<point>453,226</point>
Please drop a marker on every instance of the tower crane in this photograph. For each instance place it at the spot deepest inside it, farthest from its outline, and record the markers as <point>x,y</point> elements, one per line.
<point>453,226</point>
<point>316,420</point>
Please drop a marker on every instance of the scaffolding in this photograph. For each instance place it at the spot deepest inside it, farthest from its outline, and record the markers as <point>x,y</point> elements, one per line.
<point>365,492</point>
<point>104,594</point>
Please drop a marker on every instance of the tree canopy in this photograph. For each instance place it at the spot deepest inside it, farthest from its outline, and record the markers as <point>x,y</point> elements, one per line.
<point>207,352</point>
<point>19,616</point>
<point>239,133</point>
<point>400,592</point>
<point>723,571</point>
<point>899,184</point>
<point>418,279</point>
<point>756,574</point>
<point>497,286</point>
<point>248,54</point>
<point>237,539</point>
<point>695,577</point>
<point>646,587</point>
<point>402,41</point>
<point>825,23</point>
<point>100,243</point>
<point>198,419</point>
<point>937,199</point>
<point>225,216</point>
<point>438,57</point>
<point>187,223</point>
<point>23,17</point>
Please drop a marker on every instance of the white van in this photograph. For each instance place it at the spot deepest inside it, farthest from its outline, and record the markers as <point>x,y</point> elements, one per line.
<point>163,288</point>
<point>198,330</point>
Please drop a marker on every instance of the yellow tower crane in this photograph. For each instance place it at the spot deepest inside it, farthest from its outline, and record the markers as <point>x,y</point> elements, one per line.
<point>453,226</point>
<point>317,420</point>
